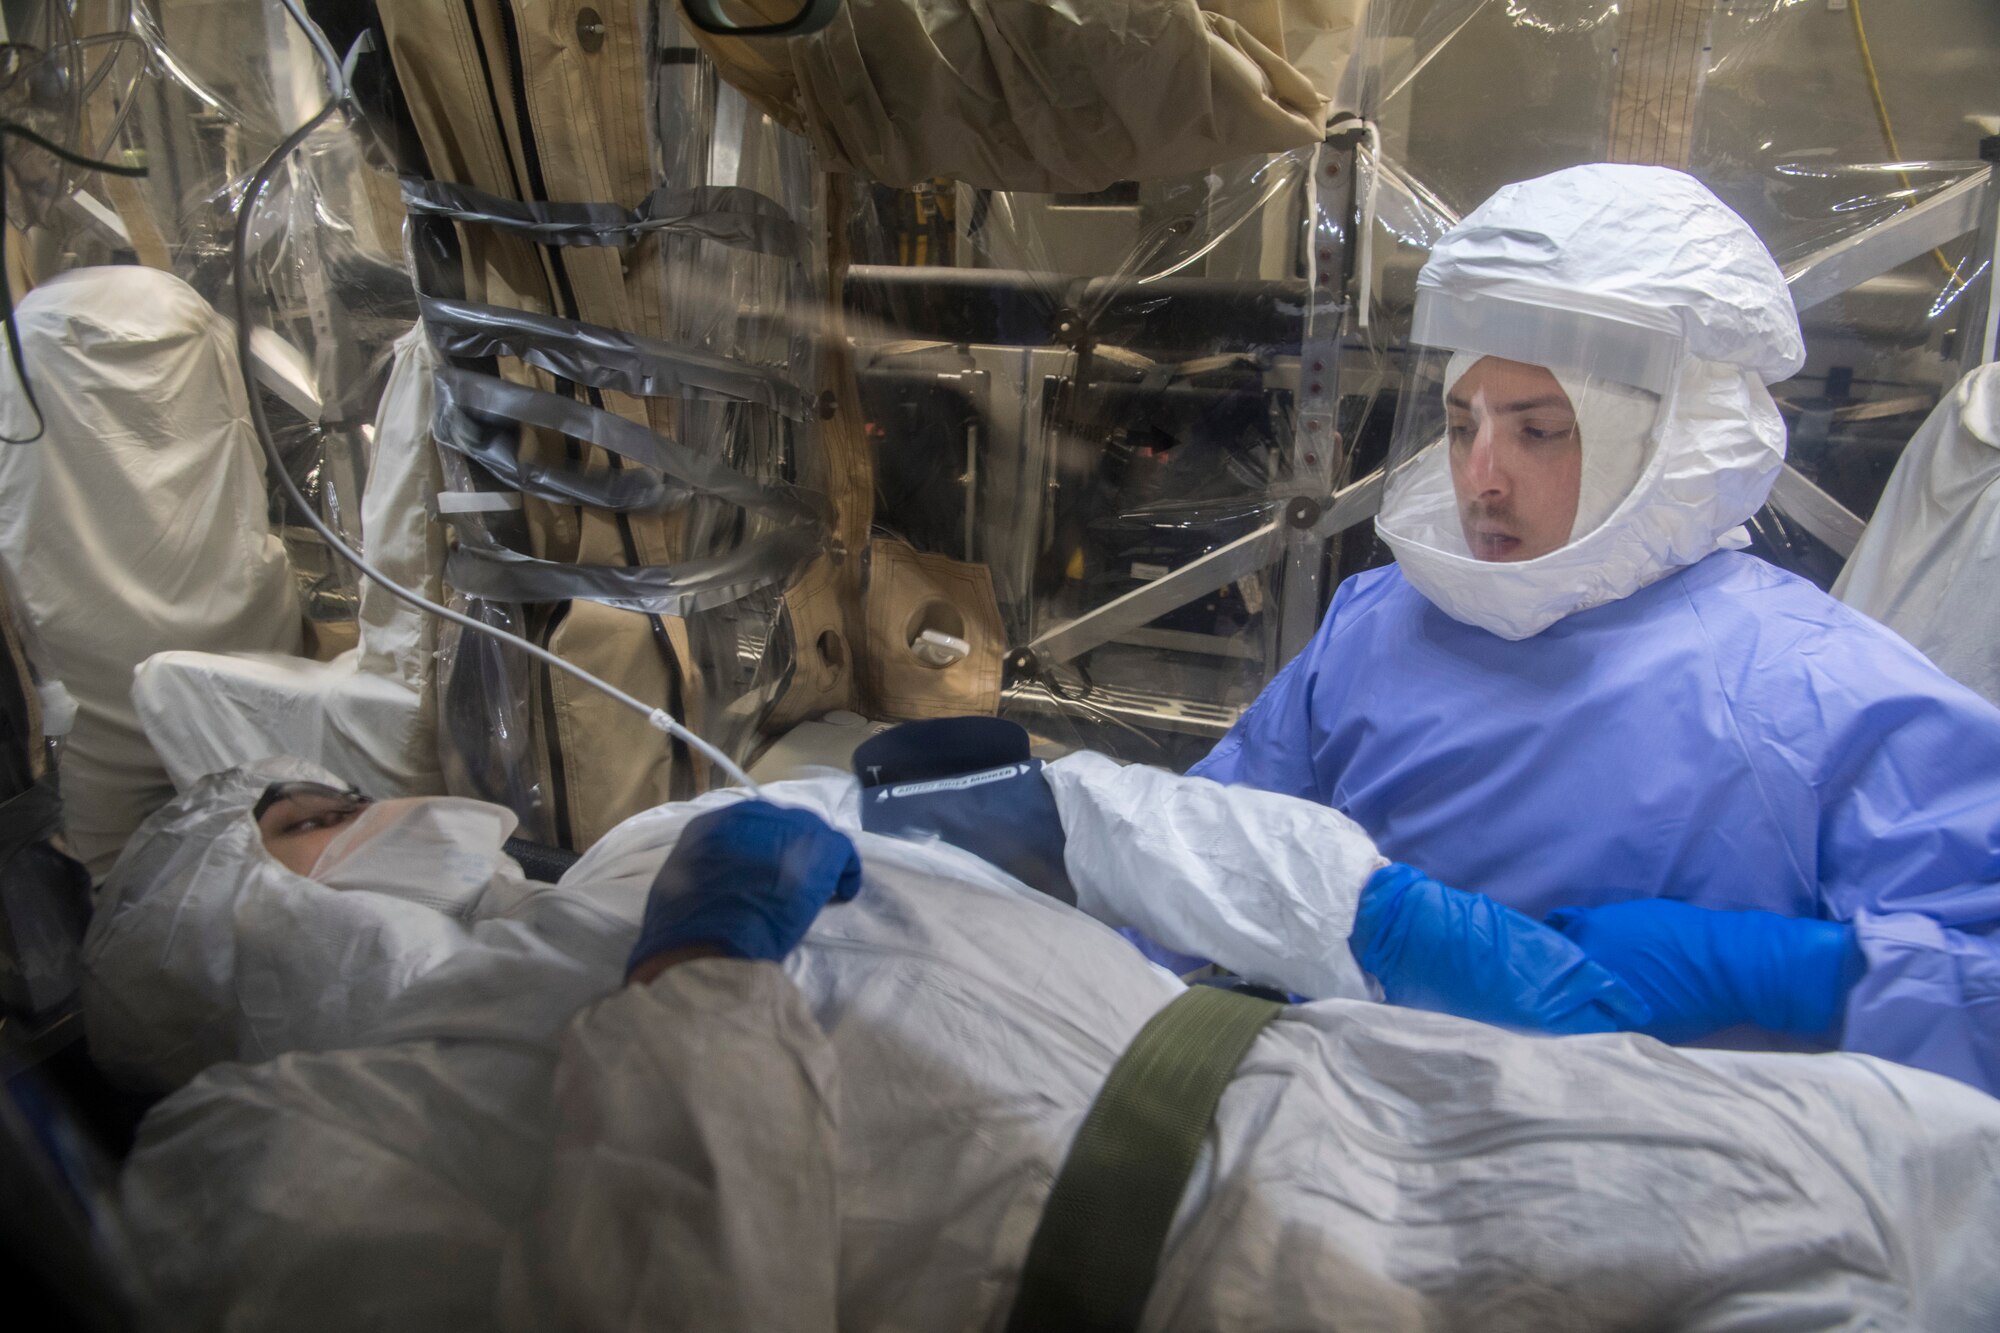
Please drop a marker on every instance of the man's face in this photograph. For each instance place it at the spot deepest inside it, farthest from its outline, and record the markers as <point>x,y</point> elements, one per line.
<point>1516,459</point>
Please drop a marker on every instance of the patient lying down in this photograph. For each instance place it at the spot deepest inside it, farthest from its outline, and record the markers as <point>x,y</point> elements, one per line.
<point>417,1091</point>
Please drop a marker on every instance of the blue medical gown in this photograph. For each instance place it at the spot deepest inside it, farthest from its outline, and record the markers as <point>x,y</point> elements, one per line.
<point>1729,736</point>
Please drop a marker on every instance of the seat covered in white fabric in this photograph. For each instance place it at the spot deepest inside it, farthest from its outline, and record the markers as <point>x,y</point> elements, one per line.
<point>1929,562</point>
<point>369,713</point>
<point>138,522</point>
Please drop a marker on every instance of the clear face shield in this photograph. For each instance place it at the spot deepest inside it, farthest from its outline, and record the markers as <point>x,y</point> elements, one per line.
<point>1521,429</point>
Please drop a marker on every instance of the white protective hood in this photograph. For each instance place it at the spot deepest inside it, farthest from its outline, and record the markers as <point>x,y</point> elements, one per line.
<point>203,948</point>
<point>137,523</point>
<point>1628,250</point>
<point>1928,565</point>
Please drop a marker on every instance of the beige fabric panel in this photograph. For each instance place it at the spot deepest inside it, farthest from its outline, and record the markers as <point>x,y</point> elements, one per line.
<point>827,599</point>
<point>588,114</point>
<point>1049,95</point>
<point>909,591</point>
<point>1662,62</point>
<point>441,66</point>
<point>441,63</point>
<point>613,764</point>
<point>149,243</point>
<point>20,268</point>
<point>824,652</point>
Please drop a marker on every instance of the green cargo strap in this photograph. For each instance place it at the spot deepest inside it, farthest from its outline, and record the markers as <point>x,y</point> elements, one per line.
<point>1091,1263</point>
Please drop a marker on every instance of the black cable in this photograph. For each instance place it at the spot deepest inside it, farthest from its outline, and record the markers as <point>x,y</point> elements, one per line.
<point>20,131</point>
<point>12,129</point>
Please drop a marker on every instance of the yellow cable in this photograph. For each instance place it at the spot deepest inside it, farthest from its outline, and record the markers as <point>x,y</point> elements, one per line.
<point>1882,115</point>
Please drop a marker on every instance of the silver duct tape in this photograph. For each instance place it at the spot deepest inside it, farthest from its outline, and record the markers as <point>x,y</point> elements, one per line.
<point>477,502</point>
<point>495,446</point>
<point>497,449</point>
<point>730,214</point>
<point>605,358</point>
<point>498,574</point>
<point>467,401</point>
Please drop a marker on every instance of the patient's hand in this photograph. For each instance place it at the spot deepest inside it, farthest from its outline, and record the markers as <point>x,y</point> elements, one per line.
<point>744,881</point>
<point>645,972</point>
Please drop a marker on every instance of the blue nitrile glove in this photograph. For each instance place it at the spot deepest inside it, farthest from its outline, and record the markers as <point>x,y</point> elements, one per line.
<point>747,879</point>
<point>1703,970</point>
<point>1438,948</point>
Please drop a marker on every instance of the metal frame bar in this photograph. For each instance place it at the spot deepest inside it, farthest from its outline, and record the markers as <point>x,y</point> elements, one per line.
<point>1817,512</point>
<point>1248,554</point>
<point>1951,213</point>
<point>1311,452</point>
<point>1847,263</point>
<point>1967,206</point>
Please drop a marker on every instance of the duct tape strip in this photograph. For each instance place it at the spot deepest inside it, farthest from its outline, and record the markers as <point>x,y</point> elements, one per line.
<point>605,358</point>
<point>468,401</point>
<point>495,446</point>
<point>501,575</point>
<point>730,214</point>
<point>477,502</point>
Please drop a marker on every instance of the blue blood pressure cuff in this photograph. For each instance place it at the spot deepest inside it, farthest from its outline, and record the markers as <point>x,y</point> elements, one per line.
<point>971,782</point>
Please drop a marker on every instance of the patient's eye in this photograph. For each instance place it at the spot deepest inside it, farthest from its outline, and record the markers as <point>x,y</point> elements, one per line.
<point>324,819</point>
<point>292,815</point>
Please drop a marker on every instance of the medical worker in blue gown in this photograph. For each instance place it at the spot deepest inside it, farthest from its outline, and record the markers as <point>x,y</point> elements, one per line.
<point>1575,693</point>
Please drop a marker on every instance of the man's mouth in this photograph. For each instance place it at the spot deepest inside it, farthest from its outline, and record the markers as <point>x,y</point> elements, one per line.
<point>1493,544</point>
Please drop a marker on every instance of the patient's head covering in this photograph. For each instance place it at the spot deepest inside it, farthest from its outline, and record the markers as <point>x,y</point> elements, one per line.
<point>203,948</point>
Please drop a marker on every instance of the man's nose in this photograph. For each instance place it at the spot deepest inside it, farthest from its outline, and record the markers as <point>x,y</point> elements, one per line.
<point>1483,470</point>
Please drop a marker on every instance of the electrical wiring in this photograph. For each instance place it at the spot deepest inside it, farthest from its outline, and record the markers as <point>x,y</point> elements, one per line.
<point>1882,114</point>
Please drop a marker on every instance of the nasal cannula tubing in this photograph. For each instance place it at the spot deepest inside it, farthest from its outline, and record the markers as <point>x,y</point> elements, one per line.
<point>658,718</point>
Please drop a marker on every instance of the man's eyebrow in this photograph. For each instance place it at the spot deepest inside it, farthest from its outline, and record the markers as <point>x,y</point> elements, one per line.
<point>1536,404</point>
<point>1525,405</point>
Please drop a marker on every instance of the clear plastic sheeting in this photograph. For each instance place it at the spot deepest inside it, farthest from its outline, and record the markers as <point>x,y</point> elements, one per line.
<point>1031,95</point>
<point>1122,405</point>
<point>71,85</point>
<point>1861,173</point>
<point>1107,398</point>
<point>625,296</point>
<point>198,95</point>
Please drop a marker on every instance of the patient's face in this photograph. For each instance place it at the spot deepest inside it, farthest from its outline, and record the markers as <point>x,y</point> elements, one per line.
<point>298,820</point>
